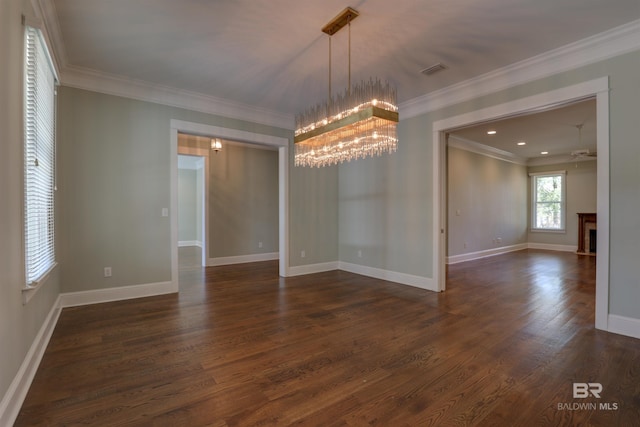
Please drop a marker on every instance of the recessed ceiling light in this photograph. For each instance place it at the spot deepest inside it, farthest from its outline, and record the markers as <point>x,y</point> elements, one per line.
<point>522,143</point>
<point>491,132</point>
<point>544,152</point>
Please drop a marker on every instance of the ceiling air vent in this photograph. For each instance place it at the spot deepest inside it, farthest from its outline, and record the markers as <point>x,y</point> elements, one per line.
<point>433,69</point>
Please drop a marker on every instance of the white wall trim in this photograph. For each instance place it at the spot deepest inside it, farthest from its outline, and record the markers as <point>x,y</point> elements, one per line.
<point>624,325</point>
<point>241,259</point>
<point>549,247</point>
<point>301,270</point>
<point>17,391</point>
<point>603,208</point>
<point>485,150</point>
<point>82,78</point>
<point>611,43</point>
<point>391,276</point>
<point>97,296</point>
<point>455,259</point>
<point>184,243</point>
<point>229,133</point>
<point>470,256</point>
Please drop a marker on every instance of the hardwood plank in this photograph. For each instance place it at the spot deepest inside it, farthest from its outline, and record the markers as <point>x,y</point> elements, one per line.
<point>241,346</point>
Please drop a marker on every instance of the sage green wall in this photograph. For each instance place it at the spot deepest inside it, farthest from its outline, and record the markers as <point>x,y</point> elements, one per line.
<point>385,203</point>
<point>243,200</point>
<point>19,324</point>
<point>487,200</point>
<point>398,187</point>
<point>313,214</point>
<point>114,179</point>
<point>582,193</point>
<point>187,205</point>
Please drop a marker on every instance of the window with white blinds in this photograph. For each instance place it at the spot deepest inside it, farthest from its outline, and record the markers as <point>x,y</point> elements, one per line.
<point>39,158</point>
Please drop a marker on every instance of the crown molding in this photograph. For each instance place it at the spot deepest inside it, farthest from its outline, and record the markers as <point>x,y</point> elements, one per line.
<point>484,150</point>
<point>46,10</point>
<point>83,78</point>
<point>97,81</point>
<point>608,44</point>
<point>557,160</point>
<point>495,153</point>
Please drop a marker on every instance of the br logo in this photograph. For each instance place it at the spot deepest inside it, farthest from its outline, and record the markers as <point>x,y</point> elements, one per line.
<point>584,390</point>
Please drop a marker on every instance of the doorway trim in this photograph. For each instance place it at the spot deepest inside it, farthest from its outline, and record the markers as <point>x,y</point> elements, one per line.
<point>598,88</point>
<point>282,144</point>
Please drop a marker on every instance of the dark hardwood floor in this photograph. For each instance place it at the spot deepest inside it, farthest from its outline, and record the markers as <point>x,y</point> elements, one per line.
<point>240,346</point>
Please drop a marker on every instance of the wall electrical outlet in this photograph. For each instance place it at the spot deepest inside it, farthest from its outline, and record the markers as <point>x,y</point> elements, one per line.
<point>107,272</point>
<point>259,244</point>
<point>302,254</point>
<point>359,253</point>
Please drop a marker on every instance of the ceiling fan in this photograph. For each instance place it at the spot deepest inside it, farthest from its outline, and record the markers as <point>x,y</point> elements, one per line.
<point>584,152</point>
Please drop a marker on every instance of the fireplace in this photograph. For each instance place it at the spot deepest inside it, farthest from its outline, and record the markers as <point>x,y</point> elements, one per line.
<point>587,233</point>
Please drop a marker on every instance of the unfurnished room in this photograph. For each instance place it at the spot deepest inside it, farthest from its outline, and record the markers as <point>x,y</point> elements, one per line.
<point>319,213</point>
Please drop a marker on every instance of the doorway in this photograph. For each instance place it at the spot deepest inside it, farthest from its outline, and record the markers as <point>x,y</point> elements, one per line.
<point>280,144</point>
<point>596,88</point>
<point>192,211</point>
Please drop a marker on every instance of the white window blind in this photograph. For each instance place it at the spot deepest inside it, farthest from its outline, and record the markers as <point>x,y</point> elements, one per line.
<point>39,158</point>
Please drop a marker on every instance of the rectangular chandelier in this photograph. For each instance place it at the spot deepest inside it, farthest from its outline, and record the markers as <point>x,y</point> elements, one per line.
<point>359,123</point>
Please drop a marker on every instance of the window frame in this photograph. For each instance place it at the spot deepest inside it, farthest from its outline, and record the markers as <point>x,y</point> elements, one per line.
<point>39,142</point>
<point>534,176</point>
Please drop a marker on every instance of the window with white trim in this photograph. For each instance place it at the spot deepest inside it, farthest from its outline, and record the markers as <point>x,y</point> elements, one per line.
<point>39,158</point>
<point>548,190</point>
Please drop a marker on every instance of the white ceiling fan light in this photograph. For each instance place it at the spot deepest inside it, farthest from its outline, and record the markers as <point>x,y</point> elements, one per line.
<point>582,152</point>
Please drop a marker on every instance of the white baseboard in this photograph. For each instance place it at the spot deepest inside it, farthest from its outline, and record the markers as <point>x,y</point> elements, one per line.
<point>17,391</point>
<point>505,249</point>
<point>624,325</point>
<point>301,270</point>
<point>183,243</point>
<point>96,296</point>
<point>486,253</point>
<point>392,276</point>
<point>561,248</point>
<point>241,259</point>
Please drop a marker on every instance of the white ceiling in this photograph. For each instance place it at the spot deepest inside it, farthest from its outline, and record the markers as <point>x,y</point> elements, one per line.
<point>271,54</point>
<point>554,131</point>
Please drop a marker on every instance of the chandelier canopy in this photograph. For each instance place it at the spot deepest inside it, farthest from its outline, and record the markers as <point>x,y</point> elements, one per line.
<point>359,123</point>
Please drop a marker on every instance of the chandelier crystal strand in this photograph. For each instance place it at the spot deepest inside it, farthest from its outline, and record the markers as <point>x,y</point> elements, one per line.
<point>360,122</point>
<point>371,136</point>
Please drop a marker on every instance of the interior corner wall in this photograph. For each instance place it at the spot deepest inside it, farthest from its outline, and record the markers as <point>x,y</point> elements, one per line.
<point>581,197</point>
<point>487,203</point>
<point>313,218</point>
<point>384,205</point>
<point>19,324</point>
